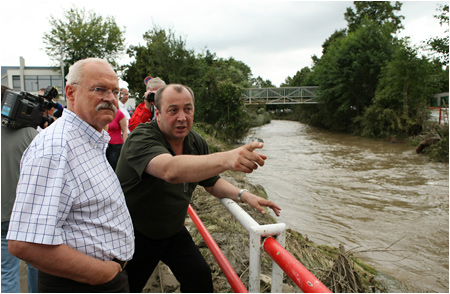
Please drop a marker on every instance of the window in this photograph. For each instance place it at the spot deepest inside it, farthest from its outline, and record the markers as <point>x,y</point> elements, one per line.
<point>16,83</point>
<point>34,83</point>
<point>31,83</point>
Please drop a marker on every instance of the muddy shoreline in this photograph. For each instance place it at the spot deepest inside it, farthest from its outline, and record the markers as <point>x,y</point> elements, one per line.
<point>337,269</point>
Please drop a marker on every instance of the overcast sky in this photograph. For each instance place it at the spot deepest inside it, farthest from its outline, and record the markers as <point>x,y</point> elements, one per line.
<point>274,38</point>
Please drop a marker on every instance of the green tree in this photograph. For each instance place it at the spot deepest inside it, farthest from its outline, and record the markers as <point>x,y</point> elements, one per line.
<point>259,82</point>
<point>338,34</point>
<point>441,44</point>
<point>165,56</point>
<point>381,12</point>
<point>348,74</point>
<point>217,83</point>
<point>80,34</point>
<point>406,85</point>
<point>303,77</point>
<point>219,104</point>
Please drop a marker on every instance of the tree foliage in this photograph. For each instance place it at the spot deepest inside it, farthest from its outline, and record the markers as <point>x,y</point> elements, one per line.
<point>441,44</point>
<point>348,74</point>
<point>380,12</point>
<point>259,82</point>
<point>81,34</point>
<point>165,56</point>
<point>217,83</point>
<point>401,98</point>
<point>303,77</point>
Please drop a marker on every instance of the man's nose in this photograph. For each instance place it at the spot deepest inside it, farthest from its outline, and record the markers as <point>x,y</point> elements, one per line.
<point>181,116</point>
<point>111,99</point>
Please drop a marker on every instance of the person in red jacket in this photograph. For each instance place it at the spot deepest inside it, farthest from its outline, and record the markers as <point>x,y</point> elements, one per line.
<point>144,112</point>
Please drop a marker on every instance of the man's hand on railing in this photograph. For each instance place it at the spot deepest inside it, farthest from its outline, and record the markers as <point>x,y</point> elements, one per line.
<point>257,203</point>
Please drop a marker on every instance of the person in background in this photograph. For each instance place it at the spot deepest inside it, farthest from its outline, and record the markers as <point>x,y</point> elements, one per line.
<point>70,219</point>
<point>50,114</point>
<point>58,112</point>
<point>122,100</point>
<point>118,131</point>
<point>144,112</point>
<point>14,143</point>
<point>160,166</point>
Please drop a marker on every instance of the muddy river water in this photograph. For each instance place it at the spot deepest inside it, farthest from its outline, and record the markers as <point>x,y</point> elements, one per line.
<point>381,200</point>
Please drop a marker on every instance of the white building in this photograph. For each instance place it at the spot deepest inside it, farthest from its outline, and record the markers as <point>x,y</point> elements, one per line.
<point>31,78</point>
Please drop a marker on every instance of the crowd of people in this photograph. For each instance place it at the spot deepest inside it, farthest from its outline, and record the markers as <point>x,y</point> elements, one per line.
<point>98,198</point>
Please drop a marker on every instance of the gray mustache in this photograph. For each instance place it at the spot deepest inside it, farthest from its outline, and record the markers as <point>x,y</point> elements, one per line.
<point>106,105</point>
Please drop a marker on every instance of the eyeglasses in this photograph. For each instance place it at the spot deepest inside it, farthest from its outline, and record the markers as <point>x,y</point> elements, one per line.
<point>103,92</point>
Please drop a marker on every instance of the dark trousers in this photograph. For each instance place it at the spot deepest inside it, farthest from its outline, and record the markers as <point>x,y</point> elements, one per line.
<point>113,153</point>
<point>52,284</point>
<point>179,253</point>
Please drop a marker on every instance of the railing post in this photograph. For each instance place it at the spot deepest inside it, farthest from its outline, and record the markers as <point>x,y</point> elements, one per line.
<point>307,282</point>
<point>254,273</point>
<point>226,267</point>
<point>256,232</point>
<point>277,272</point>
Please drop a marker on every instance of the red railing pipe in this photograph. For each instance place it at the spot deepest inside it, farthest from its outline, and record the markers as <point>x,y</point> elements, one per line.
<point>440,112</point>
<point>307,282</point>
<point>227,269</point>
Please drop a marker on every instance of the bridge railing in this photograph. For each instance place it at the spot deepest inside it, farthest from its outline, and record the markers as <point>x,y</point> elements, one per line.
<point>283,260</point>
<point>284,95</point>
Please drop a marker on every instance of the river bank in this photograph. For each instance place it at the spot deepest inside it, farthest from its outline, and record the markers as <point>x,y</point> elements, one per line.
<point>340,271</point>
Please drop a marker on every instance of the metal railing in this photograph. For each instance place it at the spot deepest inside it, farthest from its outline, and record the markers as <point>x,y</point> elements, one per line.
<point>442,114</point>
<point>301,276</point>
<point>283,95</point>
<point>283,260</point>
<point>256,233</point>
<point>227,269</point>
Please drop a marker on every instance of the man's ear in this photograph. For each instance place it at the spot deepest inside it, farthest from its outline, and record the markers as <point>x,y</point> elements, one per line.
<point>157,114</point>
<point>70,94</point>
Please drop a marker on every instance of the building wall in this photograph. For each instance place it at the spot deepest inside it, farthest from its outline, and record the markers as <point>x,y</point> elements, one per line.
<point>31,78</point>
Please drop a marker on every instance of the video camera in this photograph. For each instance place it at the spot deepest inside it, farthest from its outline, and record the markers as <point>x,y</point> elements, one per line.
<point>26,110</point>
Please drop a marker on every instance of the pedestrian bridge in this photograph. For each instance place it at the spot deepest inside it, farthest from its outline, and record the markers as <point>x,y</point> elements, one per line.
<point>284,95</point>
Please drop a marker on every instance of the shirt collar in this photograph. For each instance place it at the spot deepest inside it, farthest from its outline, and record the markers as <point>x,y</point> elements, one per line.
<point>188,141</point>
<point>86,130</point>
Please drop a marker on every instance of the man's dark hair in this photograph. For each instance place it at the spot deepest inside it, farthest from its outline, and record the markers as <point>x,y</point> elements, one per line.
<point>177,87</point>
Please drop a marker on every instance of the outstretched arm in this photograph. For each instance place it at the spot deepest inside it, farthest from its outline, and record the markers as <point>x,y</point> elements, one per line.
<point>195,168</point>
<point>224,189</point>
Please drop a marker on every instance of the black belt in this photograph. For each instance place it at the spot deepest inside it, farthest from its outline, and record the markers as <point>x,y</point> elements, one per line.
<point>123,264</point>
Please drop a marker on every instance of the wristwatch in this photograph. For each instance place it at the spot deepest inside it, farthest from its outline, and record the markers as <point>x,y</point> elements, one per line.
<point>240,194</point>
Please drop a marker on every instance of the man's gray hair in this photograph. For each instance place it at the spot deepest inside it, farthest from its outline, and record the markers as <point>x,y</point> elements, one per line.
<point>155,83</point>
<point>75,75</point>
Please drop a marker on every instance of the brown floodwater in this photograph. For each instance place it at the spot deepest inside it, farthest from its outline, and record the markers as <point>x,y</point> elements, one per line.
<point>382,201</point>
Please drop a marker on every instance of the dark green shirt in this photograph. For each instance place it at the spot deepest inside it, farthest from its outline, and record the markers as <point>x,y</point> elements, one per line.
<point>158,209</point>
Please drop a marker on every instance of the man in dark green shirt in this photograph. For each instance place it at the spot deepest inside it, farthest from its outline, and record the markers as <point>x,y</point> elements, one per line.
<point>160,165</point>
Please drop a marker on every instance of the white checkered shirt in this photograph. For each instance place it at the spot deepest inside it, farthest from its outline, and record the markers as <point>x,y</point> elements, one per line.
<point>69,194</point>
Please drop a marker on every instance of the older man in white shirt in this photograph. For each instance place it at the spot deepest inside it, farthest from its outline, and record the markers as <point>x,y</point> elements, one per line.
<point>122,107</point>
<point>70,219</point>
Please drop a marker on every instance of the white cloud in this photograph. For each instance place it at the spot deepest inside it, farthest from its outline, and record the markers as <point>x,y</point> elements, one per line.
<point>274,38</point>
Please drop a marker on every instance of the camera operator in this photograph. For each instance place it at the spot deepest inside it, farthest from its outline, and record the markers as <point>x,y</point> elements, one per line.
<point>48,115</point>
<point>144,112</point>
<point>14,143</point>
